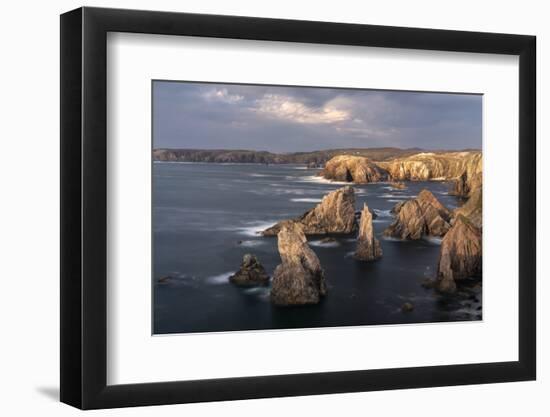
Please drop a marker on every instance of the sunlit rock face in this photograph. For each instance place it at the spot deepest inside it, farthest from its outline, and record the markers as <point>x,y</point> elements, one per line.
<point>471,178</point>
<point>356,169</point>
<point>368,246</point>
<point>421,216</point>
<point>461,255</point>
<point>299,278</point>
<point>433,166</point>
<point>334,214</point>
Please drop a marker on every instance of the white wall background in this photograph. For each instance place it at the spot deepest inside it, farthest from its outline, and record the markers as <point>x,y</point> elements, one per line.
<point>29,212</point>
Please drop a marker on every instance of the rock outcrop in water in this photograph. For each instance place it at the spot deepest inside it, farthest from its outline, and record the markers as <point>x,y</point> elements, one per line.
<point>398,185</point>
<point>422,216</point>
<point>357,169</point>
<point>368,247</point>
<point>299,279</point>
<point>251,272</point>
<point>472,209</point>
<point>460,257</point>
<point>334,214</point>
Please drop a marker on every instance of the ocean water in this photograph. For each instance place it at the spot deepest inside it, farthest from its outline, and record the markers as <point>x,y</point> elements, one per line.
<point>207,216</point>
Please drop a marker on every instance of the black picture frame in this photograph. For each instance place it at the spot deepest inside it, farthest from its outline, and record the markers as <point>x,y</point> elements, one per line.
<point>84,207</point>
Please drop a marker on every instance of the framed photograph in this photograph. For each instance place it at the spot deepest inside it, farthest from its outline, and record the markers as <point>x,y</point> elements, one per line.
<point>257,208</point>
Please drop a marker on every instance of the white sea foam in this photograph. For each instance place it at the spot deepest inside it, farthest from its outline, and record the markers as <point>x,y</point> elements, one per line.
<point>392,239</point>
<point>324,244</point>
<point>219,279</point>
<point>254,228</point>
<point>306,200</point>
<point>433,239</point>
<point>262,293</point>
<point>383,213</point>
<point>252,243</point>
<point>396,201</point>
<point>321,180</point>
<point>259,175</point>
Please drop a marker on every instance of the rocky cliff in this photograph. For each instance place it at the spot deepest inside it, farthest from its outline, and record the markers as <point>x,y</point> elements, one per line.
<point>334,214</point>
<point>251,272</point>
<point>299,279</point>
<point>368,246</point>
<point>421,216</point>
<point>433,166</point>
<point>357,169</point>
<point>460,256</point>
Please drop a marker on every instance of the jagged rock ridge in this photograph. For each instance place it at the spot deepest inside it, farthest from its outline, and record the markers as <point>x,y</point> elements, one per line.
<point>421,216</point>
<point>334,214</point>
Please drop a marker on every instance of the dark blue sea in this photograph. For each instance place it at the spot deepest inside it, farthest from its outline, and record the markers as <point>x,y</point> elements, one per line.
<point>206,217</point>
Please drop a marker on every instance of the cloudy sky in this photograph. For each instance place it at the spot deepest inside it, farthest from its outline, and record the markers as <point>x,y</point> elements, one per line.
<point>290,119</point>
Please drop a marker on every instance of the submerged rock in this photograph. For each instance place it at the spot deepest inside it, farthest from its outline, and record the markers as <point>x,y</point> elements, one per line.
<point>357,169</point>
<point>251,272</point>
<point>299,279</point>
<point>422,216</point>
<point>473,208</point>
<point>461,254</point>
<point>407,307</point>
<point>334,214</point>
<point>398,185</point>
<point>368,247</point>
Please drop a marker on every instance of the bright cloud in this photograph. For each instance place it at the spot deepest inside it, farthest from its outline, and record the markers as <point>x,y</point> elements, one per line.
<point>222,95</point>
<point>288,108</point>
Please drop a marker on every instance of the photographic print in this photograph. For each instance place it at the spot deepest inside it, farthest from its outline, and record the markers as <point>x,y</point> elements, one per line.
<point>283,207</point>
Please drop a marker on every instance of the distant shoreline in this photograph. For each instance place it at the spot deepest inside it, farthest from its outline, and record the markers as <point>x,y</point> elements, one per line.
<point>313,158</point>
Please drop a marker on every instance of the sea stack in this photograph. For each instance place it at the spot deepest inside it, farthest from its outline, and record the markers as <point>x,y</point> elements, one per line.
<point>334,214</point>
<point>421,216</point>
<point>460,256</point>
<point>299,279</point>
<point>251,272</point>
<point>368,247</point>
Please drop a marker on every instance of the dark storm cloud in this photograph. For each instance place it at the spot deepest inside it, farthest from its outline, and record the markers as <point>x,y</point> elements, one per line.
<point>289,119</point>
